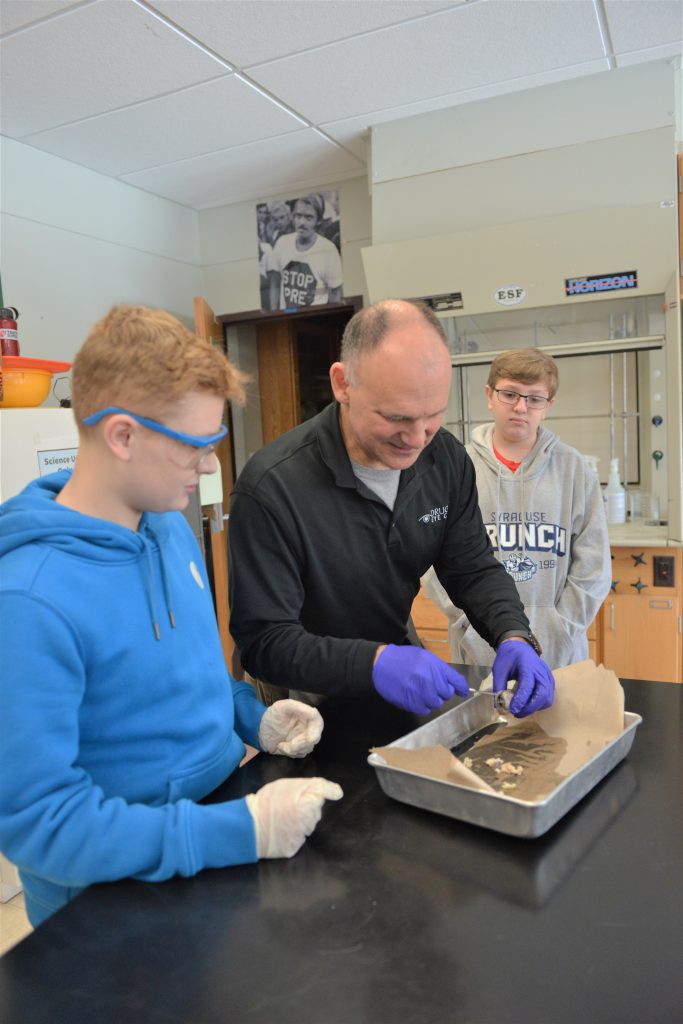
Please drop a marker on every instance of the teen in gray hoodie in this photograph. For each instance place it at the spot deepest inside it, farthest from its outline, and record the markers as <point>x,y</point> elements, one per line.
<point>543,511</point>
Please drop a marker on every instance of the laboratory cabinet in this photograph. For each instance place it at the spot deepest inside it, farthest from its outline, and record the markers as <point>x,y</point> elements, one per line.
<point>640,620</point>
<point>642,634</point>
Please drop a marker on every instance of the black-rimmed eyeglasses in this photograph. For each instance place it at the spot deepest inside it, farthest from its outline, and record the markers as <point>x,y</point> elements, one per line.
<point>512,397</point>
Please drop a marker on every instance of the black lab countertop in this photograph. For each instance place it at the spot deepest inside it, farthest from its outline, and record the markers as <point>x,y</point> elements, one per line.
<point>393,915</point>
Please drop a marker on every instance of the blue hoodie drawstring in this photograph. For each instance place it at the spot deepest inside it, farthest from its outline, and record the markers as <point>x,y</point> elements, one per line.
<point>149,588</point>
<point>167,589</point>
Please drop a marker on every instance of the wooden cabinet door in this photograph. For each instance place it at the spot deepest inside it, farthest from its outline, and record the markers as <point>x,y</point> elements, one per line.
<point>641,638</point>
<point>431,626</point>
<point>207,327</point>
<point>594,637</point>
<point>680,219</point>
<point>278,370</point>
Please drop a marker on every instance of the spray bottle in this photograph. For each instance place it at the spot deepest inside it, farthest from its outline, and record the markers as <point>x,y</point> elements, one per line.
<point>615,495</point>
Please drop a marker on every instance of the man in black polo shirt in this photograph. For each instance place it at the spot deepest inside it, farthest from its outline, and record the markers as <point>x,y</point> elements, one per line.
<point>332,525</point>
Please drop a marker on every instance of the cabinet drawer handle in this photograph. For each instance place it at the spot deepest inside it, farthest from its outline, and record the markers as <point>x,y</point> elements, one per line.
<point>662,605</point>
<point>611,616</point>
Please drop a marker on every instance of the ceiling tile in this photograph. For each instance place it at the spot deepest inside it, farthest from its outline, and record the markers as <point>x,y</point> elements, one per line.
<point>201,119</point>
<point>642,24</point>
<point>252,31</point>
<point>15,14</point>
<point>145,88</point>
<point>255,171</point>
<point>478,44</point>
<point>90,60</point>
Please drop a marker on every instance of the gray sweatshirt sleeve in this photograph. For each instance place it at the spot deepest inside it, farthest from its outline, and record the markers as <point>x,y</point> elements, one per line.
<point>589,578</point>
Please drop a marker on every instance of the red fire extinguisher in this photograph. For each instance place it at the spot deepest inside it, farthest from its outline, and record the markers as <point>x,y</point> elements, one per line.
<point>9,336</point>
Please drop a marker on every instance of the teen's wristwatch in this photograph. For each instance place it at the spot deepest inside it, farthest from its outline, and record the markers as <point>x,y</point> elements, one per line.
<point>523,634</point>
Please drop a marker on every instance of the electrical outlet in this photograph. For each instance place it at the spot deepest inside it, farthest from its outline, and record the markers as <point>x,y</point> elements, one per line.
<point>663,571</point>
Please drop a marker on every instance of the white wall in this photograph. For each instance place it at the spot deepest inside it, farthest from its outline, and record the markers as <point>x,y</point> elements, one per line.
<point>74,242</point>
<point>229,248</point>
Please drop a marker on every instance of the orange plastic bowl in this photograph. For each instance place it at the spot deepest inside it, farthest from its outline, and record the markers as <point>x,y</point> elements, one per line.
<point>27,382</point>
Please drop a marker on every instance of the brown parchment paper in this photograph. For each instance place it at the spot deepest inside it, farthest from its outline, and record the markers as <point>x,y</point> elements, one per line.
<point>526,759</point>
<point>436,761</point>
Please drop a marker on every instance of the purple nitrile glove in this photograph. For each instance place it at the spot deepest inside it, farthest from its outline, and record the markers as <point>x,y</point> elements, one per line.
<point>535,688</point>
<point>416,680</point>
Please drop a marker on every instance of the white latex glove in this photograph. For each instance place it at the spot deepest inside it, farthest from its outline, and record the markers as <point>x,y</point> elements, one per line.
<point>290,728</point>
<point>285,812</point>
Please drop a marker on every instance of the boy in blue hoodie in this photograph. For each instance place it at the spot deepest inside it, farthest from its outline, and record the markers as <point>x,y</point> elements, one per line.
<point>118,713</point>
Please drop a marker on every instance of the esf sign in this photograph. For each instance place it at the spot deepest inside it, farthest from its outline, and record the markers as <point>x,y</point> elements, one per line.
<point>510,295</point>
<point>601,283</point>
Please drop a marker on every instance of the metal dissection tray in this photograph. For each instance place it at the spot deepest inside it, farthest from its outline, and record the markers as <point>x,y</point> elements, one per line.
<point>492,810</point>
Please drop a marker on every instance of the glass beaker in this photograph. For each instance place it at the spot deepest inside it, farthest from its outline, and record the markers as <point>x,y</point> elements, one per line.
<point>650,509</point>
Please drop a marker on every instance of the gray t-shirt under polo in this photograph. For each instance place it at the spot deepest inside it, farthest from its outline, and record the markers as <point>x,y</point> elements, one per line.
<point>383,482</point>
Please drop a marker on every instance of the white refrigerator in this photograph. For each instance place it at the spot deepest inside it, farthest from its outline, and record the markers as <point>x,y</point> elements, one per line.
<point>34,442</point>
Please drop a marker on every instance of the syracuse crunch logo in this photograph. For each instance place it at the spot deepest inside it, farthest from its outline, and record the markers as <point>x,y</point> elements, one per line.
<point>435,515</point>
<point>521,569</point>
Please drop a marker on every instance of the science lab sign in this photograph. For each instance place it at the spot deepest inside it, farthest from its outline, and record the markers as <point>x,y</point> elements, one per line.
<point>510,295</point>
<point>56,458</point>
<point>623,280</point>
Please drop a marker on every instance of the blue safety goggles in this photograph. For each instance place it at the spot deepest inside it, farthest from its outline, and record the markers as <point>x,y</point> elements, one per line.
<point>192,439</point>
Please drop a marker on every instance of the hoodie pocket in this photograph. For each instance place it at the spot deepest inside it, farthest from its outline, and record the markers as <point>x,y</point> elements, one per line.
<point>560,646</point>
<point>198,780</point>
